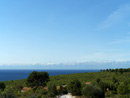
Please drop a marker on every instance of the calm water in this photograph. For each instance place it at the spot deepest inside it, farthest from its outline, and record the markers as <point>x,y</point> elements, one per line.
<point>23,74</point>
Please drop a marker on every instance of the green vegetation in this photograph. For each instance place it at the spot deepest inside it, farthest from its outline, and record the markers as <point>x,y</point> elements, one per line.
<point>91,91</point>
<point>122,89</point>
<point>114,83</point>
<point>2,86</point>
<point>75,88</point>
<point>52,92</point>
<point>36,79</point>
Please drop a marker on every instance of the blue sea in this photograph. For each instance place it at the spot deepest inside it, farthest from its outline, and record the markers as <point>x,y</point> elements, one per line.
<point>23,74</point>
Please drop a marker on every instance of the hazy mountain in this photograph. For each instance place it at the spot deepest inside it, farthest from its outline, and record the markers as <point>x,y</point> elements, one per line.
<point>83,65</point>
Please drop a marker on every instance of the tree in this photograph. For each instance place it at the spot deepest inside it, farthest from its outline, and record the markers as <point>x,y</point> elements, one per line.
<point>91,91</point>
<point>114,80</point>
<point>106,85</point>
<point>62,90</point>
<point>116,70</point>
<point>2,86</point>
<point>36,79</point>
<point>103,85</point>
<point>52,89</point>
<point>98,80</point>
<point>121,71</point>
<point>18,87</point>
<point>122,89</point>
<point>75,87</point>
<point>8,95</point>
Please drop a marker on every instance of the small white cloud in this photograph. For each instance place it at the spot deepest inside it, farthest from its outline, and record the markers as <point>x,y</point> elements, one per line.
<point>116,17</point>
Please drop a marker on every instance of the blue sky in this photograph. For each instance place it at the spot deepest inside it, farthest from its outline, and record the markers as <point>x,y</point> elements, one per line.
<point>64,31</point>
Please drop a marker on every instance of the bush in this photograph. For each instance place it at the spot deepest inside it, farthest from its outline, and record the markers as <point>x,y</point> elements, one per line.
<point>93,92</point>
<point>107,85</point>
<point>122,89</point>
<point>41,91</point>
<point>9,95</point>
<point>62,90</point>
<point>2,86</point>
<point>52,90</point>
<point>114,80</point>
<point>75,87</point>
<point>125,96</point>
<point>98,80</point>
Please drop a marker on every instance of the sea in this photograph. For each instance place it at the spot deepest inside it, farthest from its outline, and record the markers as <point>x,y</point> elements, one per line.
<point>6,75</point>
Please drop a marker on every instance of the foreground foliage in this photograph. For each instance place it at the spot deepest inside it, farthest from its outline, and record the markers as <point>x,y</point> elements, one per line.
<point>111,83</point>
<point>91,91</point>
<point>75,88</point>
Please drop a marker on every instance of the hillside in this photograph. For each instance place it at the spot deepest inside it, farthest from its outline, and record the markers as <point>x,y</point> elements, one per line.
<point>106,77</point>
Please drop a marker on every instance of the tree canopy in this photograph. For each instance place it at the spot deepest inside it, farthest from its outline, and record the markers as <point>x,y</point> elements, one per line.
<point>2,86</point>
<point>36,79</point>
<point>122,88</point>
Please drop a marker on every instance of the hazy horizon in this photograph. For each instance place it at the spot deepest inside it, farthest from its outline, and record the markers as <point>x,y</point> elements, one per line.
<point>67,66</point>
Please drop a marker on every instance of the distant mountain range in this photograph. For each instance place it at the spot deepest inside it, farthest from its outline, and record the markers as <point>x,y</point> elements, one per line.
<point>83,65</point>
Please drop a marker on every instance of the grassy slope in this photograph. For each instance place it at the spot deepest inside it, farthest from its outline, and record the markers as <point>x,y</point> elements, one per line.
<point>90,77</point>
<point>83,77</point>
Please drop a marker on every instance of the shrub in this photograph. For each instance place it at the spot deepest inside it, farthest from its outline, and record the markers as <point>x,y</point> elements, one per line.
<point>125,96</point>
<point>2,86</point>
<point>41,91</point>
<point>122,89</point>
<point>9,95</point>
<point>93,92</point>
<point>52,90</point>
<point>75,87</point>
<point>98,80</point>
<point>62,90</point>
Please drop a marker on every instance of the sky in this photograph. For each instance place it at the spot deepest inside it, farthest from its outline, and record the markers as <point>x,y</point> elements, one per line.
<point>64,31</point>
